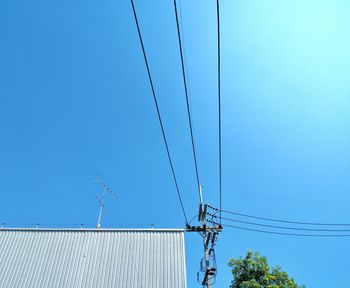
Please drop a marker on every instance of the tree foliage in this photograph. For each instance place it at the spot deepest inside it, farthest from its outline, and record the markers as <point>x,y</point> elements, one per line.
<point>253,271</point>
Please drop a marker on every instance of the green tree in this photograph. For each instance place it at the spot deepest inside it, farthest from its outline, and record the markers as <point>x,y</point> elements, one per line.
<point>253,271</point>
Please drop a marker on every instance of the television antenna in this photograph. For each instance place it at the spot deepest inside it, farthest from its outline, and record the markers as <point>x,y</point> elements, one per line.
<point>101,199</point>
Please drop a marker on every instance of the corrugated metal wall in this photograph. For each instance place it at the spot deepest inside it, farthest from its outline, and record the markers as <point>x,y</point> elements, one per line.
<point>92,258</point>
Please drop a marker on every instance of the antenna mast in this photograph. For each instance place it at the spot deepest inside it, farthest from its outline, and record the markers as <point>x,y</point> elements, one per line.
<point>101,199</point>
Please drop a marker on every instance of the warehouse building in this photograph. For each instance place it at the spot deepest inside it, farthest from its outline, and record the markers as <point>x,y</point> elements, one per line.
<point>96,258</point>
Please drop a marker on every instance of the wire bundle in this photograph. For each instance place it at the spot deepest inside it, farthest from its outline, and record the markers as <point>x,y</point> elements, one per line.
<point>304,229</point>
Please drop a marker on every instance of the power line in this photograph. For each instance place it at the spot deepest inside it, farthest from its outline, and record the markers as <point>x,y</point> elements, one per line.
<point>326,201</point>
<point>287,234</point>
<point>286,221</point>
<point>187,98</point>
<point>283,227</point>
<point>219,99</point>
<point>158,112</point>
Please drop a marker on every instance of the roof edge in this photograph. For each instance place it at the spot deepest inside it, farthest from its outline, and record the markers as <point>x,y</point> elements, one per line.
<point>95,229</point>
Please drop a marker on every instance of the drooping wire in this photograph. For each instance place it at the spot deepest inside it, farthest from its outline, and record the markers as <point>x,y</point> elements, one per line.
<point>287,234</point>
<point>272,197</point>
<point>158,112</point>
<point>219,101</point>
<point>282,227</point>
<point>285,221</point>
<point>187,97</point>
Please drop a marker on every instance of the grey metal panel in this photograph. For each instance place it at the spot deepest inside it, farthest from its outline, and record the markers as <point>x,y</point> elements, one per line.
<point>93,258</point>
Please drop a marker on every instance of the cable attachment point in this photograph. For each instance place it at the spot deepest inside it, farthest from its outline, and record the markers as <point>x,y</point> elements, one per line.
<point>209,230</point>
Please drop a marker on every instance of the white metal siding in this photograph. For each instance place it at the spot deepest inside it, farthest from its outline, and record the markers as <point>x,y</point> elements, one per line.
<point>97,258</point>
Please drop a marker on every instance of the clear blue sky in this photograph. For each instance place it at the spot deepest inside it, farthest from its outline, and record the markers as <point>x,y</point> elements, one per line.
<point>75,101</point>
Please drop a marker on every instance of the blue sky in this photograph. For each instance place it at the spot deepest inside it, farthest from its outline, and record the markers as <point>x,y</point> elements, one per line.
<point>75,101</point>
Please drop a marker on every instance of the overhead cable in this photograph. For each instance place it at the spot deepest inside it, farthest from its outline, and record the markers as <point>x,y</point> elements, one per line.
<point>287,234</point>
<point>285,221</point>
<point>283,227</point>
<point>219,100</point>
<point>272,197</point>
<point>158,112</point>
<point>187,98</point>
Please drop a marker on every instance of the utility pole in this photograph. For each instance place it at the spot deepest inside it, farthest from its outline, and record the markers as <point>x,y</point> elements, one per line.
<point>209,235</point>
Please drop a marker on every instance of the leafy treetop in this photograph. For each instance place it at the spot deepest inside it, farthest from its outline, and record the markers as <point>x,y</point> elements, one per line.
<point>254,272</point>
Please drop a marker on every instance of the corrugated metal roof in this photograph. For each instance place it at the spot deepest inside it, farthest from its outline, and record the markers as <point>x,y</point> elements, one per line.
<point>92,258</point>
